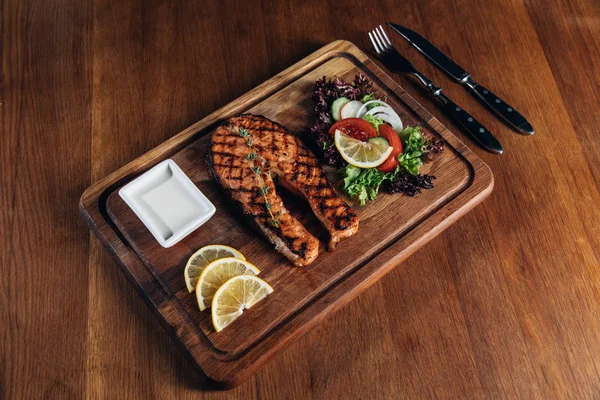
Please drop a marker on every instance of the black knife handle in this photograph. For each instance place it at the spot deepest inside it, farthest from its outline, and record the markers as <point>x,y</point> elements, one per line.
<point>469,124</point>
<point>500,107</point>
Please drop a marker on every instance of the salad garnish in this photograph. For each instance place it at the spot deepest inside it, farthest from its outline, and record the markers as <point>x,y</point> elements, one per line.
<point>353,116</point>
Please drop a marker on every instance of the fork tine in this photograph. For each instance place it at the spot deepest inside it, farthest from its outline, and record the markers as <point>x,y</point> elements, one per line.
<point>374,44</point>
<point>380,41</point>
<point>386,36</point>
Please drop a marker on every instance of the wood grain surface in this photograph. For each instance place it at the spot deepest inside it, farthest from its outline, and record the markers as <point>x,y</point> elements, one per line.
<point>503,304</point>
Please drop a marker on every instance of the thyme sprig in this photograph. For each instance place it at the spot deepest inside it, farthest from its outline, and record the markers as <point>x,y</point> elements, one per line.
<point>275,219</point>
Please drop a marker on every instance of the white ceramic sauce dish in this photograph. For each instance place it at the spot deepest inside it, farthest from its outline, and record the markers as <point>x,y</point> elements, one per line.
<point>167,202</point>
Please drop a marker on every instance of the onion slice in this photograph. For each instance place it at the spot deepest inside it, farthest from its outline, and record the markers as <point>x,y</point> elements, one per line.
<point>363,110</point>
<point>380,109</point>
<point>383,112</point>
<point>349,110</point>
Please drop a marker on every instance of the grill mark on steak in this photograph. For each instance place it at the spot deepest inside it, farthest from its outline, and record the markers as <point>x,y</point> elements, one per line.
<point>224,154</point>
<point>279,154</point>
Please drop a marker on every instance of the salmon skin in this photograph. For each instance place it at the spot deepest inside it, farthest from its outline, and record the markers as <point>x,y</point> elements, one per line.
<point>247,154</point>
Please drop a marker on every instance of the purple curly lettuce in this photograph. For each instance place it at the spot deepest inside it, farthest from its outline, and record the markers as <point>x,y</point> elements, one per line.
<point>324,93</point>
<point>434,147</point>
<point>410,185</point>
<point>362,85</point>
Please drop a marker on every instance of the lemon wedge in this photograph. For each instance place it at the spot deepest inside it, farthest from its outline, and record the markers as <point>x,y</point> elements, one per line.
<point>216,274</point>
<point>200,259</point>
<point>236,295</point>
<point>369,154</point>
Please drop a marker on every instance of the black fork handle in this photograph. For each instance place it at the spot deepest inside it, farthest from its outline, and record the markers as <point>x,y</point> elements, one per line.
<point>466,121</point>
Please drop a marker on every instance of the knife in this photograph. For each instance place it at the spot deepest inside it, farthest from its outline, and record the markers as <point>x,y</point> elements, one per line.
<point>397,63</point>
<point>455,71</point>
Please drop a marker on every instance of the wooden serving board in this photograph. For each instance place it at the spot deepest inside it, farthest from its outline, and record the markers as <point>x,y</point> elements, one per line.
<point>391,228</point>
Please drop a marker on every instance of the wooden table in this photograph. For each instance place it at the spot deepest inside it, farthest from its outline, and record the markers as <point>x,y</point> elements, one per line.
<point>505,303</point>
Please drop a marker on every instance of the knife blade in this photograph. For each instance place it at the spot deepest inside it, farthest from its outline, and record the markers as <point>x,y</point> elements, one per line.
<point>511,116</point>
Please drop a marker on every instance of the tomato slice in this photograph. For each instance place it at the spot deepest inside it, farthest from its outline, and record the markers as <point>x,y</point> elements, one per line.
<point>392,137</point>
<point>394,140</point>
<point>389,165</point>
<point>357,128</point>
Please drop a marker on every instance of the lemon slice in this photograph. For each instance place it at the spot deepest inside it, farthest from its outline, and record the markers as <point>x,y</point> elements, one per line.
<point>236,295</point>
<point>217,273</point>
<point>200,259</point>
<point>369,154</point>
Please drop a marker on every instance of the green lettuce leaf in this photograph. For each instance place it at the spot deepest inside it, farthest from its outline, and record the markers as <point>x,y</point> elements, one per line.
<point>368,97</point>
<point>414,145</point>
<point>350,174</point>
<point>411,164</point>
<point>364,183</point>
<point>374,121</point>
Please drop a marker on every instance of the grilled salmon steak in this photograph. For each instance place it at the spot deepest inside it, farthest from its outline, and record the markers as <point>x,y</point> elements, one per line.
<point>249,152</point>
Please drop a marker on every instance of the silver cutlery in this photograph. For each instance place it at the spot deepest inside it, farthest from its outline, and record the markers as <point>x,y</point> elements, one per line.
<point>395,62</point>
<point>506,112</point>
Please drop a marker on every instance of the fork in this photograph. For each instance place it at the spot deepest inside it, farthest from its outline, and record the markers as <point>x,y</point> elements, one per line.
<point>395,62</point>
